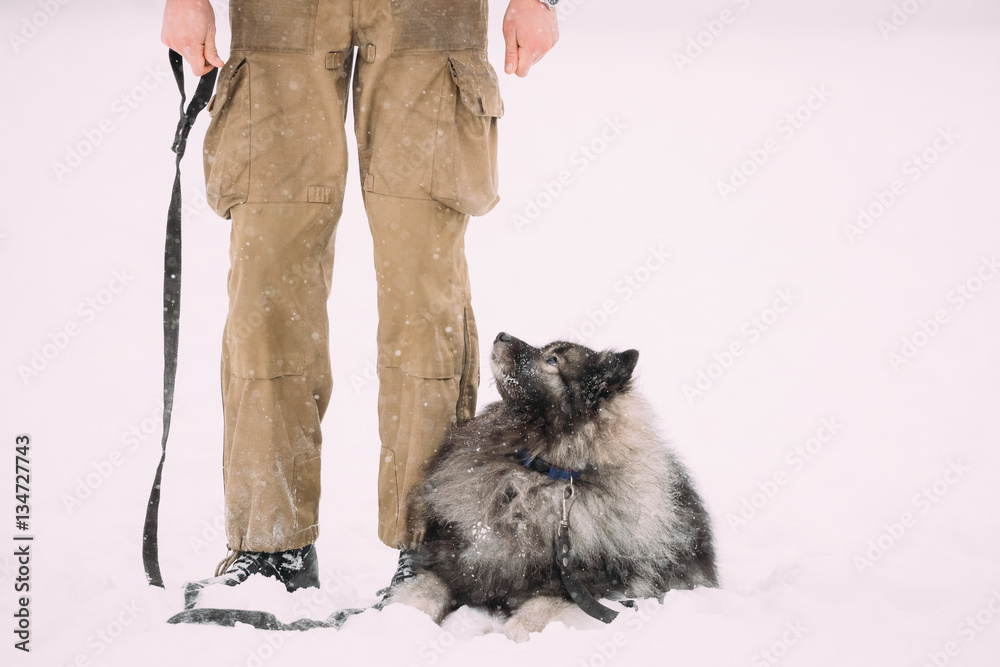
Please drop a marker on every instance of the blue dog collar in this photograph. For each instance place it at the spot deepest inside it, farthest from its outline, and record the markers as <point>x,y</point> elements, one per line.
<point>538,464</point>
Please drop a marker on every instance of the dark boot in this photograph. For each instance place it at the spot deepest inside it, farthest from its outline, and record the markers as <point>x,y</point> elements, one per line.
<point>405,570</point>
<point>295,568</point>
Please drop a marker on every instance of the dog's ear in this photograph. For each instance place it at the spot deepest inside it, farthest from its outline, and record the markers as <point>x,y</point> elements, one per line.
<point>622,366</point>
<point>615,371</point>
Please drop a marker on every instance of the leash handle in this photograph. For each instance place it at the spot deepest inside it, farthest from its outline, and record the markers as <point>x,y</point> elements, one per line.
<point>171,303</point>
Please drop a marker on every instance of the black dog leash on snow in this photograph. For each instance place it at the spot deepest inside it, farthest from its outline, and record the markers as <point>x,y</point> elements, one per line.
<point>171,304</point>
<point>262,620</point>
<point>266,621</point>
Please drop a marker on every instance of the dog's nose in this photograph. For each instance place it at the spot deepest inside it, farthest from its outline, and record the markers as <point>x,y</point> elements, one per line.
<point>502,336</point>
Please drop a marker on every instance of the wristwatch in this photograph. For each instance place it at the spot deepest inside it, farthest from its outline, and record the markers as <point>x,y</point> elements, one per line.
<point>551,4</point>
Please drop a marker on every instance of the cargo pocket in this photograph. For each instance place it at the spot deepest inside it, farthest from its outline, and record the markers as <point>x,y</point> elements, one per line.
<point>306,491</point>
<point>227,141</point>
<point>432,354</point>
<point>464,175</point>
<point>431,345</point>
<point>272,328</point>
<point>258,347</point>
<point>438,25</point>
<point>288,26</point>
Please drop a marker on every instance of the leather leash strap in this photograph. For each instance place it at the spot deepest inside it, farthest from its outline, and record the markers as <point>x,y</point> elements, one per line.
<point>583,598</point>
<point>171,304</point>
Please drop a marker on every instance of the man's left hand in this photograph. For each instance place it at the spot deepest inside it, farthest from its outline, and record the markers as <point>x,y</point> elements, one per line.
<point>530,29</point>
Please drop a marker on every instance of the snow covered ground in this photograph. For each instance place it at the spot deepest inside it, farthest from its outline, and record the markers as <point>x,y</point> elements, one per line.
<point>684,178</point>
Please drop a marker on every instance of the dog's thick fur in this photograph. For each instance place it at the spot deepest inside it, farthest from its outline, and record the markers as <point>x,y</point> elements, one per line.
<point>637,524</point>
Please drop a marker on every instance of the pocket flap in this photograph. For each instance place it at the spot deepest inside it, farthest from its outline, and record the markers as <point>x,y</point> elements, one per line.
<point>225,85</point>
<point>477,83</point>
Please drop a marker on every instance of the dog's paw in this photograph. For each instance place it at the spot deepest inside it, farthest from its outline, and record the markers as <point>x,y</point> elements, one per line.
<point>519,627</point>
<point>534,615</point>
<point>517,630</point>
<point>426,592</point>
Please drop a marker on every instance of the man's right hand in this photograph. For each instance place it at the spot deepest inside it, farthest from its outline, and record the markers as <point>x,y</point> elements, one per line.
<point>189,29</point>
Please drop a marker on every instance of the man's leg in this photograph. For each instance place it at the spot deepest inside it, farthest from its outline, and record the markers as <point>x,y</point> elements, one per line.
<point>425,105</point>
<point>276,161</point>
<point>428,348</point>
<point>276,378</point>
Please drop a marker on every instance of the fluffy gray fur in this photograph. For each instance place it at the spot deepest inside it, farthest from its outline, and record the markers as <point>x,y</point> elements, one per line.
<point>637,524</point>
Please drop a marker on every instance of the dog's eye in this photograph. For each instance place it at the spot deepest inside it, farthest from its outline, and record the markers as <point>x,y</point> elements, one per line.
<point>552,361</point>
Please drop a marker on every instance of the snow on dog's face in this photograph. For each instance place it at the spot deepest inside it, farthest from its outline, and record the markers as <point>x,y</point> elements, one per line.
<point>562,383</point>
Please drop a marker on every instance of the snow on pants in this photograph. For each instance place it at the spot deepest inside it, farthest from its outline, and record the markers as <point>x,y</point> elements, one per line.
<point>426,103</point>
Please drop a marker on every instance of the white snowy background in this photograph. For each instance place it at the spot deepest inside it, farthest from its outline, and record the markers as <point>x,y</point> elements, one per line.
<point>855,493</point>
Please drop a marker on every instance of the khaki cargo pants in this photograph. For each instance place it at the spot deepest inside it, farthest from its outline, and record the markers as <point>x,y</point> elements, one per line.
<point>425,104</point>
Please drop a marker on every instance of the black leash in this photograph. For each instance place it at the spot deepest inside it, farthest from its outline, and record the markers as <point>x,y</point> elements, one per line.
<point>261,620</point>
<point>583,598</point>
<point>266,621</point>
<point>577,591</point>
<point>171,304</point>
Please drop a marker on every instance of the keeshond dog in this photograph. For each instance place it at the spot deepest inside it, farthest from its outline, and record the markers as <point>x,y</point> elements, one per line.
<point>492,502</point>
